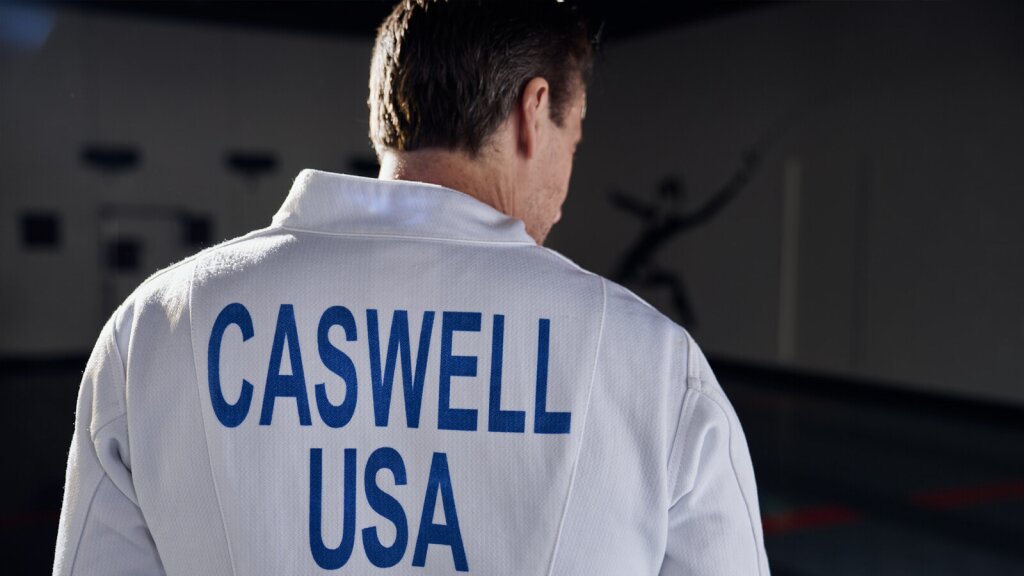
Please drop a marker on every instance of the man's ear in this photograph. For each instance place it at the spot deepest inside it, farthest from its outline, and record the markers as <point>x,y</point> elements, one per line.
<point>533,108</point>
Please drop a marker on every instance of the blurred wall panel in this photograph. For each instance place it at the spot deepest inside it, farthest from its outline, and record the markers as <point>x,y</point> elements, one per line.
<point>48,296</point>
<point>183,97</point>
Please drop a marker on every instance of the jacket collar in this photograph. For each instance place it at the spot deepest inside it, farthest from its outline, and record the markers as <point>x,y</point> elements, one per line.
<point>341,204</point>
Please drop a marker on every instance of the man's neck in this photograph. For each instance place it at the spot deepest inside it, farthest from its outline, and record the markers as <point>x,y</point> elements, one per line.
<point>475,176</point>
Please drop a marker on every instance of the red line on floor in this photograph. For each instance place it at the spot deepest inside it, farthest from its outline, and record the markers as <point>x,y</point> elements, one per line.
<point>963,496</point>
<point>809,518</point>
<point>936,499</point>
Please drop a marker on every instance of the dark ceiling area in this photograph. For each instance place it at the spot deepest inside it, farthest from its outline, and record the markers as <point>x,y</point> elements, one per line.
<point>360,18</point>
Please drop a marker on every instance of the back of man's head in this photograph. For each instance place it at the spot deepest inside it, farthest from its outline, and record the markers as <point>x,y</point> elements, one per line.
<point>445,74</point>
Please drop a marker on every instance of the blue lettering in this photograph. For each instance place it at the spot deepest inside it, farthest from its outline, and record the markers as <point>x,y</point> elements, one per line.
<point>331,558</point>
<point>398,349</point>
<point>285,385</point>
<point>339,363</point>
<point>499,420</point>
<point>455,418</point>
<point>546,422</point>
<point>447,534</point>
<point>230,415</point>
<point>387,506</point>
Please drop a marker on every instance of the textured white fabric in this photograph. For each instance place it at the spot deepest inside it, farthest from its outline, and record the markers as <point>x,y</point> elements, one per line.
<point>233,416</point>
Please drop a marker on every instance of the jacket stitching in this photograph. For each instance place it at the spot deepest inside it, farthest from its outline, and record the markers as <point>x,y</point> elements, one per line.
<point>735,476</point>
<point>85,523</point>
<point>682,439</point>
<point>95,432</point>
<point>583,429</point>
<point>209,456</point>
<point>406,237</point>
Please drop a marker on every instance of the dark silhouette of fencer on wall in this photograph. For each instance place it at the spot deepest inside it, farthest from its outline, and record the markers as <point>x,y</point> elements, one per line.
<point>663,218</point>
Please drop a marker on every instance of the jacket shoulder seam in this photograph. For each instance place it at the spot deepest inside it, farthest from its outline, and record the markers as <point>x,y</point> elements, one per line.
<point>583,429</point>
<point>85,522</point>
<point>202,417</point>
<point>735,475</point>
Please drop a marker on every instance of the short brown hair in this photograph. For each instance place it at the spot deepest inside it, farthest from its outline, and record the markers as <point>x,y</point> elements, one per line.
<point>446,73</point>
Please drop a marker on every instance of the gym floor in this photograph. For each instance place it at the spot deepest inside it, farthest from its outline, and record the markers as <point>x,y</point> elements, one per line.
<point>854,478</point>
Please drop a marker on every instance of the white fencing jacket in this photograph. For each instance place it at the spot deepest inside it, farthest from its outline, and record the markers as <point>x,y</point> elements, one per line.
<point>393,377</point>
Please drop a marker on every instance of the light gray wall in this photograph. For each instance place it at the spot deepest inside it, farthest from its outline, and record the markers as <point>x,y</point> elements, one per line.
<point>184,94</point>
<point>893,171</point>
<point>905,127</point>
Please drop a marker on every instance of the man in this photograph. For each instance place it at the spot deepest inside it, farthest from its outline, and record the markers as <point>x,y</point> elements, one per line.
<point>395,375</point>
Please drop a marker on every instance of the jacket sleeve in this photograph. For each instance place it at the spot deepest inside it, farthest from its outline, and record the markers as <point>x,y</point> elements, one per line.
<point>102,530</point>
<point>714,525</point>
